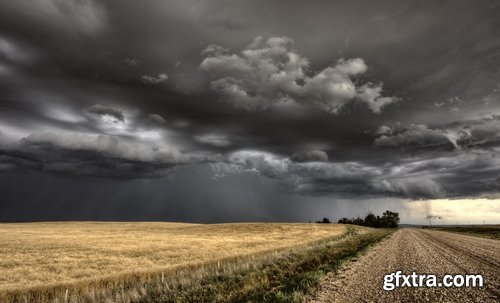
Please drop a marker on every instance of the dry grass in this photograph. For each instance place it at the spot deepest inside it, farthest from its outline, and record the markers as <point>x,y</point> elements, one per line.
<point>67,253</point>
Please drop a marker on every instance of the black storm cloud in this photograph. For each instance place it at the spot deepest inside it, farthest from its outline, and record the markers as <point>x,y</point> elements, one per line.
<point>347,99</point>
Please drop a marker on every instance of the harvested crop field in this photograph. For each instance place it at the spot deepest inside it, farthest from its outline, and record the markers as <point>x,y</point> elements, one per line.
<point>44,254</point>
<point>486,231</point>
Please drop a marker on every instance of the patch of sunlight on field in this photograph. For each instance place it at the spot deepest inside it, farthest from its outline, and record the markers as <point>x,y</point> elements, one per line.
<point>34,254</point>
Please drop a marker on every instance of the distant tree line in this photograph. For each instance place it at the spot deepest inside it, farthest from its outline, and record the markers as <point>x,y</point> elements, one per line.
<point>389,219</point>
<point>324,220</point>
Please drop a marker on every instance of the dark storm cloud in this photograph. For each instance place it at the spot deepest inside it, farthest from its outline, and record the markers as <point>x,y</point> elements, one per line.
<point>310,156</point>
<point>358,98</point>
<point>96,155</point>
<point>431,175</point>
<point>460,134</point>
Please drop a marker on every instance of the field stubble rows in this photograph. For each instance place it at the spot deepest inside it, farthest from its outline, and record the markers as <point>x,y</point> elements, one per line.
<point>47,258</point>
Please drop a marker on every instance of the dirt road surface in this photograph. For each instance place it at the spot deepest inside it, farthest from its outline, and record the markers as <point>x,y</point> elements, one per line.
<point>423,252</point>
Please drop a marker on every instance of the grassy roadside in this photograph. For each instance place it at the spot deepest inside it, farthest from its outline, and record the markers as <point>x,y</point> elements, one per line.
<point>287,279</point>
<point>485,231</point>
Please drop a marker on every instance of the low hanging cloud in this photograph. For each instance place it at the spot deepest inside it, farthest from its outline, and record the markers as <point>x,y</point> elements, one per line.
<point>310,156</point>
<point>461,134</point>
<point>431,175</point>
<point>461,174</point>
<point>106,114</point>
<point>213,139</point>
<point>95,155</point>
<point>156,119</point>
<point>153,80</point>
<point>414,135</point>
<point>271,71</point>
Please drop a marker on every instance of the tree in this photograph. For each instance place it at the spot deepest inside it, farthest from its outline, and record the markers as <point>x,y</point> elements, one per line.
<point>325,220</point>
<point>345,221</point>
<point>390,219</point>
<point>371,220</point>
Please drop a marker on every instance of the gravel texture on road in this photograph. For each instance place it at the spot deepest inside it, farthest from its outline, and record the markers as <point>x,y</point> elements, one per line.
<point>423,252</point>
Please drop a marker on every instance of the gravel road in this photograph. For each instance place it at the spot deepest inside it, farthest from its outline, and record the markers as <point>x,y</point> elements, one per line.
<point>425,252</point>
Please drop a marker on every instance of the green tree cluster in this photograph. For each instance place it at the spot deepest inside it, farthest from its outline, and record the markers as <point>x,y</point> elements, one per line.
<point>388,219</point>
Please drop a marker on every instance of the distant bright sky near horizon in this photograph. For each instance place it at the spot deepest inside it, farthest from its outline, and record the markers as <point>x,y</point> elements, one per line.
<point>249,110</point>
<point>455,212</point>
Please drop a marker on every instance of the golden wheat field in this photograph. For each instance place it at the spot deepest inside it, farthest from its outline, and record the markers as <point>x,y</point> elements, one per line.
<point>40,254</point>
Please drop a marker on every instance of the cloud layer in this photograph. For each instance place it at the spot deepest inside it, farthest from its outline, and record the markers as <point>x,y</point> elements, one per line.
<point>463,174</point>
<point>460,134</point>
<point>84,91</point>
<point>459,159</point>
<point>95,155</point>
<point>271,71</point>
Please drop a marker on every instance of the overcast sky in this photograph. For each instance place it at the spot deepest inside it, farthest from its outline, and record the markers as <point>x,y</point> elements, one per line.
<point>224,110</point>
